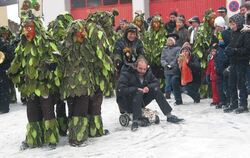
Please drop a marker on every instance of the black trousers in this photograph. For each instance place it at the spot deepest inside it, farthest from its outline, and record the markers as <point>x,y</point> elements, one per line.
<point>222,87</point>
<point>39,108</point>
<point>237,82</point>
<point>4,92</point>
<point>135,102</point>
<point>85,105</point>
<point>192,89</point>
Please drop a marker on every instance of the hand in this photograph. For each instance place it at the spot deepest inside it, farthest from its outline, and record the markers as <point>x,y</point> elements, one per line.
<point>140,90</point>
<point>145,90</point>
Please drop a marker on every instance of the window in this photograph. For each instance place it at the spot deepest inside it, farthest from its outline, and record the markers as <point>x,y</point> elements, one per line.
<point>93,3</point>
<point>125,1</point>
<point>78,3</point>
<point>109,2</point>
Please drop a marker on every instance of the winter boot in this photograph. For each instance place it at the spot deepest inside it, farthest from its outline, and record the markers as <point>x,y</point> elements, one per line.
<point>174,119</point>
<point>96,126</point>
<point>134,125</point>
<point>78,130</point>
<point>241,109</point>
<point>51,133</point>
<point>229,109</point>
<point>219,106</point>
<point>63,125</point>
<point>34,136</point>
<point>167,95</point>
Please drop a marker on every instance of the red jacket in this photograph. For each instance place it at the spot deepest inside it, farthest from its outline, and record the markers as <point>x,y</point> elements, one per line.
<point>211,69</point>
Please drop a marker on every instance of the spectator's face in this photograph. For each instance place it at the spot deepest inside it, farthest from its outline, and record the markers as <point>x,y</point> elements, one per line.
<point>172,18</point>
<point>185,53</point>
<point>170,42</point>
<point>223,14</point>
<point>233,26</point>
<point>195,24</point>
<point>213,51</point>
<point>243,11</point>
<point>218,28</point>
<point>131,36</point>
<point>179,24</point>
<point>141,68</point>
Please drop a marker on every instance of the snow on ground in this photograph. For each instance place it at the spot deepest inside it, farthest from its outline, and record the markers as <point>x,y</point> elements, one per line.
<point>206,133</point>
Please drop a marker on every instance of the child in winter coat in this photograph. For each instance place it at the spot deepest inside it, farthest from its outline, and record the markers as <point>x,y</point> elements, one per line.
<point>238,53</point>
<point>168,58</point>
<point>222,33</point>
<point>211,75</point>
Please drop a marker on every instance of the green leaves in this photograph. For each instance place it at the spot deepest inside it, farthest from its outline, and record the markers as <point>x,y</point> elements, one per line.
<point>38,92</point>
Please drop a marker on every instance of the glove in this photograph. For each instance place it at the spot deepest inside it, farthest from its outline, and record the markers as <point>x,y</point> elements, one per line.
<point>226,71</point>
<point>169,67</point>
<point>208,79</point>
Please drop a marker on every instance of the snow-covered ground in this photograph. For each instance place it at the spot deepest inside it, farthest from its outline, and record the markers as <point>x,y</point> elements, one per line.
<point>206,133</point>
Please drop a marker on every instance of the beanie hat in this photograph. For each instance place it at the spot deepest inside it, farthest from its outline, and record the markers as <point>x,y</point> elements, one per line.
<point>219,21</point>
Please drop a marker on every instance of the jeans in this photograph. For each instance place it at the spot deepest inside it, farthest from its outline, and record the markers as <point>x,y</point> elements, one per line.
<point>222,87</point>
<point>168,82</point>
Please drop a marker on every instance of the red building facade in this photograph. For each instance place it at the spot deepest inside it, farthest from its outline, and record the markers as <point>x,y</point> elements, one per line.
<point>189,8</point>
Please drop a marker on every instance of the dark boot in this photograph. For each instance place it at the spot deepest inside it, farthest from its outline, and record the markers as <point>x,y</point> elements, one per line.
<point>134,125</point>
<point>241,109</point>
<point>229,109</point>
<point>174,119</point>
<point>167,95</point>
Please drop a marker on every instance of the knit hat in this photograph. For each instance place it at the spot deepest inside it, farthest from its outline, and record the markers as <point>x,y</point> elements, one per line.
<point>238,19</point>
<point>219,21</point>
<point>186,46</point>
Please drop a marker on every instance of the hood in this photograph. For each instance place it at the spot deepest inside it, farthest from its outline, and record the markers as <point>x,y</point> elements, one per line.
<point>238,19</point>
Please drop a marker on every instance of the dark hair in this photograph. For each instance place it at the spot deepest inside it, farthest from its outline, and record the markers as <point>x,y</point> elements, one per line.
<point>246,5</point>
<point>181,15</point>
<point>173,13</point>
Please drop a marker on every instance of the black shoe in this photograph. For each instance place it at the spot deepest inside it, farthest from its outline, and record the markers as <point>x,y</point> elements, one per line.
<point>134,126</point>
<point>241,109</point>
<point>178,103</point>
<point>4,111</point>
<point>197,101</point>
<point>214,104</point>
<point>220,105</point>
<point>52,146</point>
<point>225,106</point>
<point>229,109</point>
<point>144,122</point>
<point>174,119</point>
<point>24,146</point>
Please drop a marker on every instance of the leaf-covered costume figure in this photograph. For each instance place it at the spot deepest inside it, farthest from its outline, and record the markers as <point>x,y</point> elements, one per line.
<point>80,77</point>
<point>203,40</point>
<point>139,22</point>
<point>57,30</point>
<point>154,41</point>
<point>32,70</point>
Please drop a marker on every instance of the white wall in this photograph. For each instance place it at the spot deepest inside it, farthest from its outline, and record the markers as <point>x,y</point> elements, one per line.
<point>3,18</point>
<point>141,6</point>
<point>52,8</point>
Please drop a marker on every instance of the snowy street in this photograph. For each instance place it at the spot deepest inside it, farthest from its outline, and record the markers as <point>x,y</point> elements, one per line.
<point>206,133</point>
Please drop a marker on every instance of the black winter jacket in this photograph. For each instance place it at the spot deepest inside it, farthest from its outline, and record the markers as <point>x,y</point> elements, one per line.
<point>129,81</point>
<point>8,51</point>
<point>239,47</point>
